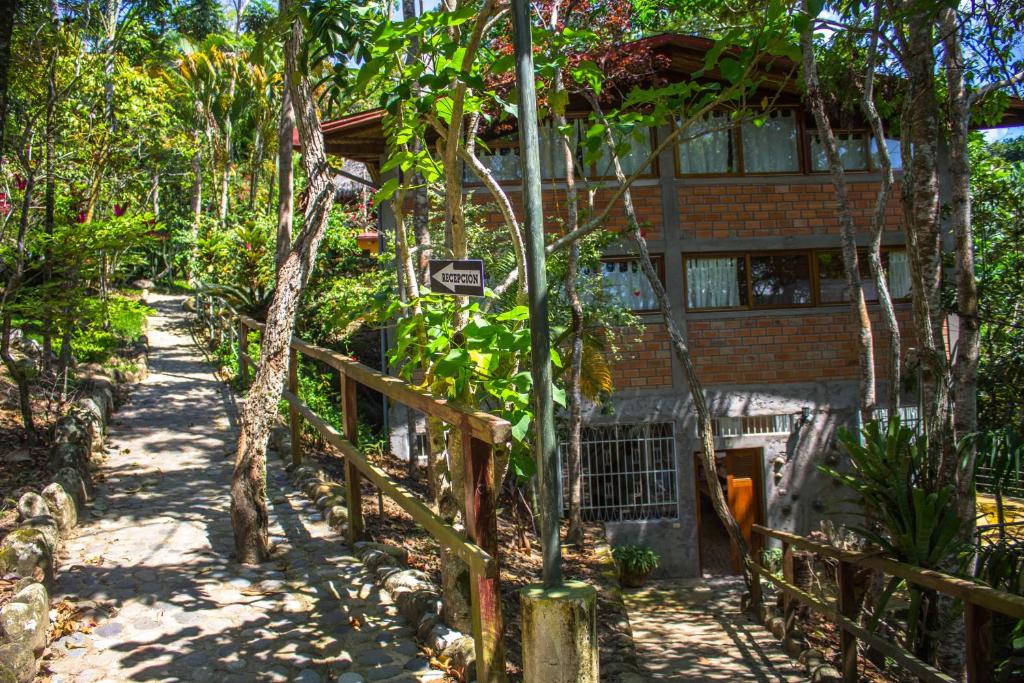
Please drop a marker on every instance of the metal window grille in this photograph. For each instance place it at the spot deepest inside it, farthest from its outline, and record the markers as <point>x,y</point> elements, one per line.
<point>629,472</point>
<point>752,424</point>
<point>910,416</point>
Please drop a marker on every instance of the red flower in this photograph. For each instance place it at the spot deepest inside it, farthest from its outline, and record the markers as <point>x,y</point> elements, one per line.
<point>119,210</point>
<point>636,292</point>
<point>643,233</point>
<point>20,182</point>
<point>81,216</point>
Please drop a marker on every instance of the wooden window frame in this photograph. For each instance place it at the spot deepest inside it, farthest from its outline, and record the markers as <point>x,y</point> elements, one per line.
<point>658,260</point>
<point>864,134</point>
<point>736,129</point>
<point>813,270</point>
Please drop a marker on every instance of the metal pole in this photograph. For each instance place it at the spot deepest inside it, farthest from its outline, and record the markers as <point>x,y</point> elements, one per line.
<point>545,448</point>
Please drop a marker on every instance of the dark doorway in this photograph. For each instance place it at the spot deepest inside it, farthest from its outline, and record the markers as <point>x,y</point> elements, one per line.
<point>739,472</point>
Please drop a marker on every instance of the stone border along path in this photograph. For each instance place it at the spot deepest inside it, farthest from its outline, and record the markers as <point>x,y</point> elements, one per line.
<point>693,630</point>
<point>153,564</point>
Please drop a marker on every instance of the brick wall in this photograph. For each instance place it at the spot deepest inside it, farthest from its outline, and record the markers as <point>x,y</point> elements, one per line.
<point>791,348</point>
<point>728,211</point>
<point>644,363</point>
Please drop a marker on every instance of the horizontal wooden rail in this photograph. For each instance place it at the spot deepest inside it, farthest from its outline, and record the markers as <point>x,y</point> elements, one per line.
<point>980,603</point>
<point>471,554</point>
<point>484,426</point>
<point>480,431</point>
<point>976,594</point>
<point>920,669</point>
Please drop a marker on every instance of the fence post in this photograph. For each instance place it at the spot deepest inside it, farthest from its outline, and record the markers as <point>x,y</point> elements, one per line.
<point>243,348</point>
<point>482,529</point>
<point>978,622</point>
<point>756,597</point>
<point>847,604</point>
<point>789,603</point>
<point>294,420</point>
<point>353,492</point>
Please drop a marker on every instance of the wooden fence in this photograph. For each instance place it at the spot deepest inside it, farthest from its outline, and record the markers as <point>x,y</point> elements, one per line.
<point>481,432</point>
<point>980,603</point>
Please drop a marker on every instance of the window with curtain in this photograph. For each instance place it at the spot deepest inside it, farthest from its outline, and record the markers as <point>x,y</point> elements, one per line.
<point>502,161</point>
<point>898,274</point>
<point>623,282</point>
<point>832,277</point>
<point>895,157</point>
<point>780,279</point>
<point>552,156</point>
<point>771,147</point>
<point>633,147</point>
<point>852,152</point>
<point>707,146</point>
<point>716,282</point>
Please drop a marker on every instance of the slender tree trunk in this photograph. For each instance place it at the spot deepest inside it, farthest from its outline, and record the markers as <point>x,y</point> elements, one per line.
<point>682,352</point>
<point>254,173</point>
<point>878,221</point>
<point>6,35</point>
<point>848,232</point>
<point>197,198</point>
<point>16,372</point>
<point>50,194</point>
<point>113,10</point>
<point>285,183</point>
<point>248,486</point>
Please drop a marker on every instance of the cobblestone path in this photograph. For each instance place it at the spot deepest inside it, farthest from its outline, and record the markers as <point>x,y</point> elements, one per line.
<point>154,559</point>
<point>693,631</point>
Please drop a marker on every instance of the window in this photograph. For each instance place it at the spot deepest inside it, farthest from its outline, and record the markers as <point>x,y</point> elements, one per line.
<point>716,282</point>
<point>633,148</point>
<point>552,155</point>
<point>852,152</point>
<point>832,276</point>
<point>771,147</point>
<point>624,283</point>
<point>895,156</point>
<point>780,280</point>
<point>502,161</point>
<point>628,472</point>
<point>747,425</point>
<point>707,147</point>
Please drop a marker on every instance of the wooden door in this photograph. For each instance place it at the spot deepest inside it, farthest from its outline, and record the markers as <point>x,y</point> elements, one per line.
<point>742,505</point>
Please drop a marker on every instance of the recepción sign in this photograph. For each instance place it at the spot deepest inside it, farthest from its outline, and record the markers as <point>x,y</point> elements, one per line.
<point>465,277</point>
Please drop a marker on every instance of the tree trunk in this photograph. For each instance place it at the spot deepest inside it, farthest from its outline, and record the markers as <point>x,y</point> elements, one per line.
<point>248,486</point>
<point>197,197</point>
<point>254,169</point>
<point>285,183</point>
<point>892,326</point>
<point>847,230</point>
<point>682,351</point>
<point>6,36</point>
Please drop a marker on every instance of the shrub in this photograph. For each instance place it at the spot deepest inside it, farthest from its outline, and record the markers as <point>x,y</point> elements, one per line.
<point>634,558</point>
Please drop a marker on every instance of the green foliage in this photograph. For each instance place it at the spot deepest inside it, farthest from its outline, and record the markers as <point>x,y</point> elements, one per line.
<point>635,558</point>
<point>903,512</point>
<point>114,324</point>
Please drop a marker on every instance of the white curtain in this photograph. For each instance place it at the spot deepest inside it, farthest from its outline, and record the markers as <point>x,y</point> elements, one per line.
<point>712,283</point>
<point>706,149</point>
<point>503,163</point>
<point>899,275</point>
<point>638,148</point>
<point>624,283</point>
<point>852,152</point>
<point>771,148</point>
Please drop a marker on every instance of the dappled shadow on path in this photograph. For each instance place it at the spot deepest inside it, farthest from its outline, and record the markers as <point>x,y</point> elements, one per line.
<point>156,556</point>
<point>693,630</point>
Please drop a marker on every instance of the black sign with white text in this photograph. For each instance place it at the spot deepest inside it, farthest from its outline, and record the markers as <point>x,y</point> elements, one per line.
<point>464,277</point>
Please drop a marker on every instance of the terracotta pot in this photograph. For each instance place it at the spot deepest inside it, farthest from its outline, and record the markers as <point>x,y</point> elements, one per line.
<point>633,579</point>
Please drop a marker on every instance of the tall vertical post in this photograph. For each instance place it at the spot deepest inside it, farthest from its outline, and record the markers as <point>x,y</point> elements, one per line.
<point>978,622</point>
<point>353,493</point>
<point>482,529</point>
<point>243,349</point>
<point>545,449</point>
<point>846,578</point>
<point>294,419</point>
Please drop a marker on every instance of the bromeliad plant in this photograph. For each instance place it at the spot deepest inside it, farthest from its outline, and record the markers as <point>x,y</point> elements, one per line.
<point>903,513</point>
<point>635,562</point>
<point>485,364</point>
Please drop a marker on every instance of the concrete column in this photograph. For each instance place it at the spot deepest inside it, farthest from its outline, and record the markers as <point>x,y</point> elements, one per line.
<point>559,630</point>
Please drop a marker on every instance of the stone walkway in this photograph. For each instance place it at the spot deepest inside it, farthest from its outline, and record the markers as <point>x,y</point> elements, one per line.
<point>153,562</point>
<point>693,630</point>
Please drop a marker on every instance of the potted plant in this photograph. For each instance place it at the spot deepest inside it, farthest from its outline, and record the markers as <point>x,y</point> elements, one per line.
<point>635,562</point>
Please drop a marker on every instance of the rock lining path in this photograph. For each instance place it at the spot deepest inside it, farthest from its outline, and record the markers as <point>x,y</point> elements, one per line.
<point>693,630</point>
<point>153,562</point>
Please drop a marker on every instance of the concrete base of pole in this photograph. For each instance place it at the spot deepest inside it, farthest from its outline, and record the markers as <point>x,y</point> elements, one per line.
<point>560,634</point>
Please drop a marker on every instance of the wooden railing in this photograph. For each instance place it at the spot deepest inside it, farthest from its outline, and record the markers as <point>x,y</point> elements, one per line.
<point>481,432</point>
<point>980,603</point>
